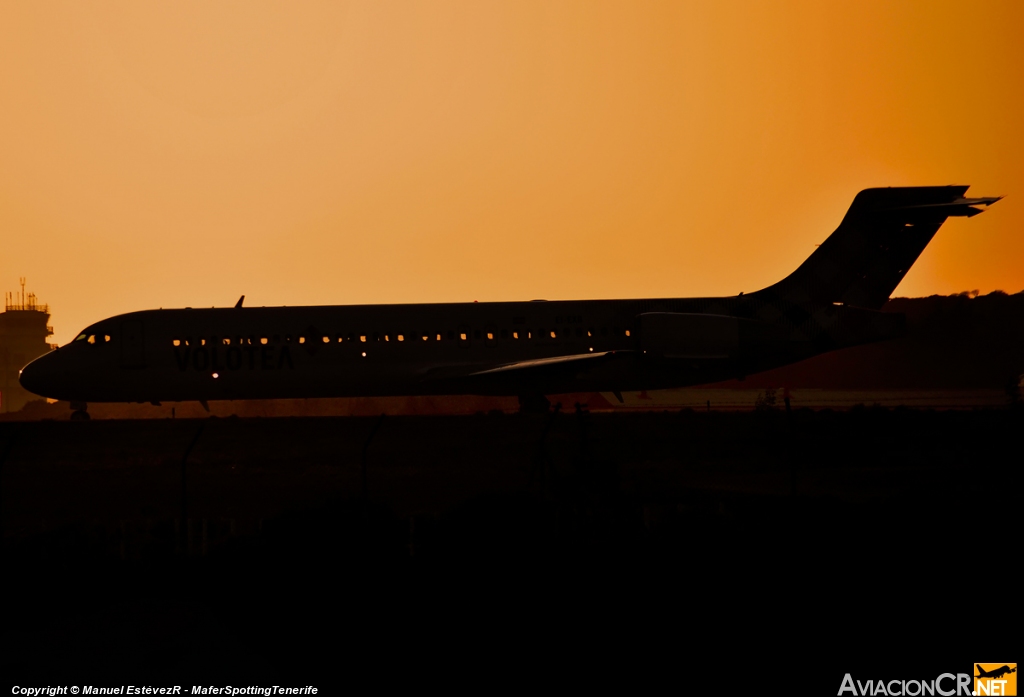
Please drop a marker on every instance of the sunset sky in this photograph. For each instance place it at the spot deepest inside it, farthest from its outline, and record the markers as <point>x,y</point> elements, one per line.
<point>170,154</point>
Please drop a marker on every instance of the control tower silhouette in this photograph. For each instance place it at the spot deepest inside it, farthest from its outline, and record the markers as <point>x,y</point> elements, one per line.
<point>23,338</point>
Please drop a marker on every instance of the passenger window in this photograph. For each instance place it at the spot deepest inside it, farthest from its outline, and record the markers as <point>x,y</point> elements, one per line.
<point>515,335</point>
<point>106,338</point>
<point>341,339</point>
<point>463,336</point>
<point>554,334</point>
<point>326,340</point>
<point>362,338</point>
<point>426,337</point>
<point>91,339</point>
<point>176,342</point>
<point>302,339</point>
<point>202,341</point>
<point>401,337</point>
<point>590,332</point>
<point>490,336</point>
<point>627,332</point>
<point>438,337</point>
<point>226,341</point>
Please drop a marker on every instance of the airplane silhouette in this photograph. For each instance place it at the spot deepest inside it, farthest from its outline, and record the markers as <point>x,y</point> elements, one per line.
<point>995,673</point>
<point>525,349</point>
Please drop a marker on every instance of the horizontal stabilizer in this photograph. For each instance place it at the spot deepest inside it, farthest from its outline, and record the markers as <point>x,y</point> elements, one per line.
<point>963,207</point>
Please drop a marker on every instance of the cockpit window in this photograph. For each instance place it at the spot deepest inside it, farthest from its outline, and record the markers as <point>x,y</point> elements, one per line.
<point>81,337</point>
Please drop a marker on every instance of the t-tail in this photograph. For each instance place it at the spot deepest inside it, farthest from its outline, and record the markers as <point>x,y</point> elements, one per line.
<point>879,239</point>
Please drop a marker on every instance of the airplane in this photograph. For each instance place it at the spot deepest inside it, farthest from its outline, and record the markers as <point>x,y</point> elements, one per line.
<point>995,672</point>
<point>525,349</point>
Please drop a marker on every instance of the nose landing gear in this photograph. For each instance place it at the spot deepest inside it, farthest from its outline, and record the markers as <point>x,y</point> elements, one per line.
<point>80,412</point>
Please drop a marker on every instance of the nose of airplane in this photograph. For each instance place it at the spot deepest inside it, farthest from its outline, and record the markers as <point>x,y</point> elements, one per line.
<point>38,376</point>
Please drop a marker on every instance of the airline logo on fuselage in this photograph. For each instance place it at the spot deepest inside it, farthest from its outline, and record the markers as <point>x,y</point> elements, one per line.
<point>243,357</point>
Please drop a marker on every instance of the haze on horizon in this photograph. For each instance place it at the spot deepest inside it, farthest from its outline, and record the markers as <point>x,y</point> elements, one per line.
<point>182,154</point>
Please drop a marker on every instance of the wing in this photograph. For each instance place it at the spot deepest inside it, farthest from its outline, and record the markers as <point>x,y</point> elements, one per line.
<point>552,374</point>
<point>540,363</point>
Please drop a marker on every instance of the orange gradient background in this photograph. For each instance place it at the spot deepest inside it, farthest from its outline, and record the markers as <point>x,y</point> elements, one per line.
<point>164,154</point>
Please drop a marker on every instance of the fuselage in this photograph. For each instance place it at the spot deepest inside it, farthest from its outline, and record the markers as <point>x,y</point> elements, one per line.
<point>336,351</point>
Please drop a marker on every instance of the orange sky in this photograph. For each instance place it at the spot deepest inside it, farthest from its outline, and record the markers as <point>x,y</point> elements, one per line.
<point>183,153</point>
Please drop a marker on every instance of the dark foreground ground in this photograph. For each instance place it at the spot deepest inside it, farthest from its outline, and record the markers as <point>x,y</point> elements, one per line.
<point>763,551</point>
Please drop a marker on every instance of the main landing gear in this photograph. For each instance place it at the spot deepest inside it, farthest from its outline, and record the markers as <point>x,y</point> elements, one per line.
<point>80,412</point>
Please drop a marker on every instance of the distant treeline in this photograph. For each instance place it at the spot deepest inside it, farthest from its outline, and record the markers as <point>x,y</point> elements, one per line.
<point>962,341</point>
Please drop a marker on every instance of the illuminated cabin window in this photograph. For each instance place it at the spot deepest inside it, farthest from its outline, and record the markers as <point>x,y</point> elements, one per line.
<point>362,338</point>
<point>264,340</point>
<point>341,339</point>
<point>106,338</point>
<point>252,340</point>
<point>438,337</point>
<point>326,340</point>
<point>202,341</point>
<point>176,342</point>
<point>91,339</point>
<point>387,337</point>
<point>302,339</point>
<point>401,337</point>
<point>226,341</point>
<point>490,336</point>
<point>590,332</point>
<point>188,341</point>
<point>529,335</point>
<point>515,335</point>
<point>463,336</point>
<point>426,337</point>
<point>554,334</point>
<point>627,332</point>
